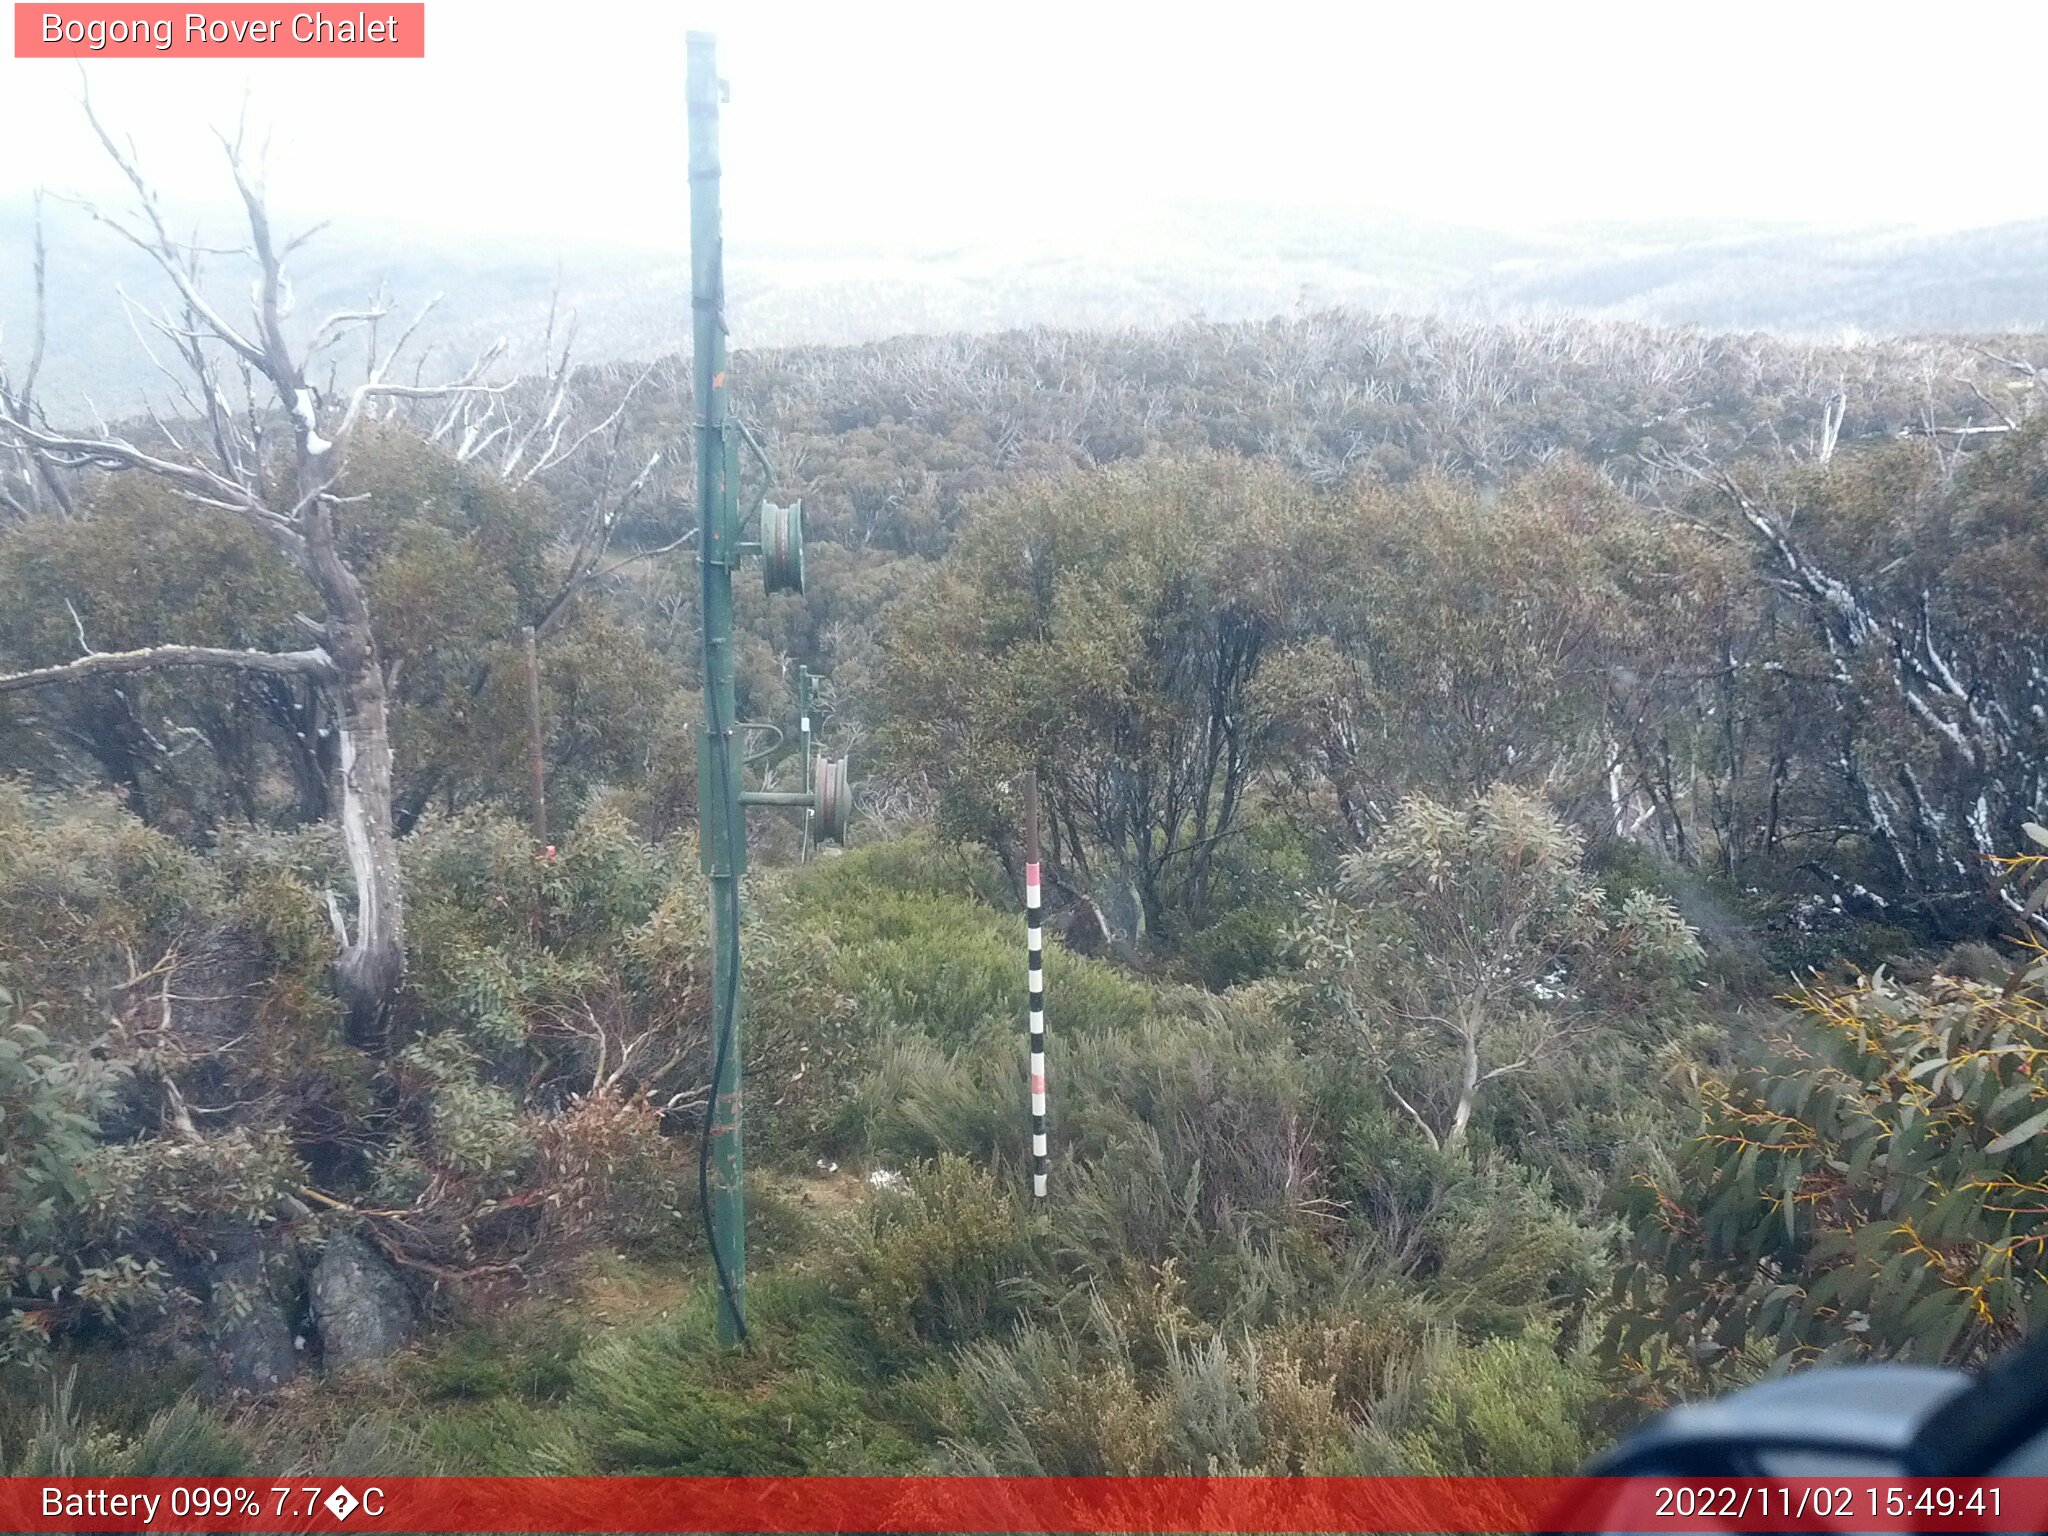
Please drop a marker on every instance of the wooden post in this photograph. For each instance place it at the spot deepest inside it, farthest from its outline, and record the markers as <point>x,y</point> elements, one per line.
<point>535,753</point>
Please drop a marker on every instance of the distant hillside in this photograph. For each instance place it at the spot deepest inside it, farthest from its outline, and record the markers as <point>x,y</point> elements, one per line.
<point>1222,262</point>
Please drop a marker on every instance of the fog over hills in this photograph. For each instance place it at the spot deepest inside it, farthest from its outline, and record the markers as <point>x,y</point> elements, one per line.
<point>1220,261</point>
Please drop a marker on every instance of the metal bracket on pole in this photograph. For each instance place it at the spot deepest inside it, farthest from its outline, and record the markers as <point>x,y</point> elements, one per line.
<point>803,736</point>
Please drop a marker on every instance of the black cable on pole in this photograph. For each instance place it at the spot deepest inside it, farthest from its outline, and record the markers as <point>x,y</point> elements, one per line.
<point>717,503</point>
<point>726,1009</point>
<point>722,1025</point>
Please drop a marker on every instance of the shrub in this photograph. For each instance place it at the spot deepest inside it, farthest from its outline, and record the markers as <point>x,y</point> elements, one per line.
<point>1469,944</point>
<point>1061,1402</point>
<point>1215,1083</point>
<point>918,864</point>
<point>1241,946</point>
<point>939,1261</point>
<point>934,957</point>
<point>1873,1185</point>
<point>1038,1405</point>
<point>1362,1342</point>
<point>914,1101</point>
<point>1502,1408</point>
<point>1238,1408</point>
<point>89,899</point>
<point>475,1127</point>
<point>608,1173</point>
<point>49,1110</point>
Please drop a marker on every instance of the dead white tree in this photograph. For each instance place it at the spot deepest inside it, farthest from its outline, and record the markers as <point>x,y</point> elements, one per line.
<point>27,480</point>
<point>1945,814</point>
<point>249,433</point>
<point>523,434</point>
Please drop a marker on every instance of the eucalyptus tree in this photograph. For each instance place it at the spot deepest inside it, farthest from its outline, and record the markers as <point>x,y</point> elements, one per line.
<point>1110,628</point>
<point>1466,944</point>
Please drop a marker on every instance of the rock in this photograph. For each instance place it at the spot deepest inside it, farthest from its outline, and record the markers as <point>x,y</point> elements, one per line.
<point>250,1342</point>
<point>1084,929</point>
<point>360,1306</point>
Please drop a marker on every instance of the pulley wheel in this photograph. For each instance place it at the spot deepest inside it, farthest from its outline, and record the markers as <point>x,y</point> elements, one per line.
<point>782,547</point>
<point>835,800</point>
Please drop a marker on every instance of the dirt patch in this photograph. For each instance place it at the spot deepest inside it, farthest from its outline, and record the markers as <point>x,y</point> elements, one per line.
<point>824,1194</point>
<point>615,1293</point>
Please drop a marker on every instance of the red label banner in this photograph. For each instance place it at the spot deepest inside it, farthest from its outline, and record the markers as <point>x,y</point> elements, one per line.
<point>236,31</point>
<point>1004,1504</point>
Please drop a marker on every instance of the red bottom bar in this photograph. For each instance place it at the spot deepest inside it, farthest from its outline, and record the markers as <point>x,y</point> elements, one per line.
<point>1020,1504</point>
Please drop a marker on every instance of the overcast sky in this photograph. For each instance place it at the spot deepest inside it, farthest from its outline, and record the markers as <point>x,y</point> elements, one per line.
<point>563,119</point>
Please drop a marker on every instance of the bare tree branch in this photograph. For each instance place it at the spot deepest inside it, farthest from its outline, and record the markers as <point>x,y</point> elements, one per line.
<point>316,664</point>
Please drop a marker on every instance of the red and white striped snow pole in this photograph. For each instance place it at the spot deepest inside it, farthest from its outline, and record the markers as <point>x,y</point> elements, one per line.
<point>1034,970</point>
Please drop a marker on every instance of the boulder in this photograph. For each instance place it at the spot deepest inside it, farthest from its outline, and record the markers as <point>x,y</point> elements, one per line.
<point>248,1337</point>
<point>361,1307</point>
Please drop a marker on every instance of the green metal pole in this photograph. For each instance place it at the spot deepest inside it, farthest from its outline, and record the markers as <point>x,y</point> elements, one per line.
<point>803,728</point>
<point>721,832</point>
